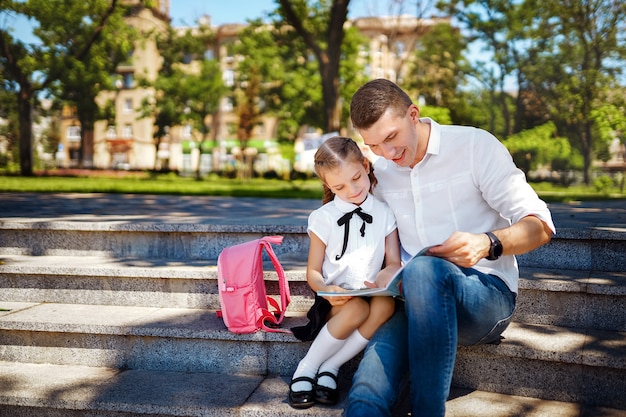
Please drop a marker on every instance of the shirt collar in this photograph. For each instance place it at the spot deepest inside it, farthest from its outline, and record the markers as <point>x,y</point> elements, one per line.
<point>434,140</point>
<point>346,207</point>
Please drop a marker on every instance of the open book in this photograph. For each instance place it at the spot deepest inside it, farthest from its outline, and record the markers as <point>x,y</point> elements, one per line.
<point>392,289</point>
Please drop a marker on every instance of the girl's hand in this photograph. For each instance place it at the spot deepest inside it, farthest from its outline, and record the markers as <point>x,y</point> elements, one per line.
<point>336,300</point>
<point>383,277</point>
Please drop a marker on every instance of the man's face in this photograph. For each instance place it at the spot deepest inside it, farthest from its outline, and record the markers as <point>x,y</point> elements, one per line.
<point>395,137</point>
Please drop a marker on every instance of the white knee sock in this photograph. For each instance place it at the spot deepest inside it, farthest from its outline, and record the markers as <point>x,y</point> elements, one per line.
<point>324,346</point>
<point>353,345</point>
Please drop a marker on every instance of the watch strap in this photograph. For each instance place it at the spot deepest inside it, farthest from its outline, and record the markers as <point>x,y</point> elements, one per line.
<point>495,249</point>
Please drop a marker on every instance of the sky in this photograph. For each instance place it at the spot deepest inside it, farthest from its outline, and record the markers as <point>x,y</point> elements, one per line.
<point>187,12</point>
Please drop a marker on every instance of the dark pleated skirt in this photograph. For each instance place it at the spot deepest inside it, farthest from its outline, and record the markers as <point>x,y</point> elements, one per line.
<point>318,316</point>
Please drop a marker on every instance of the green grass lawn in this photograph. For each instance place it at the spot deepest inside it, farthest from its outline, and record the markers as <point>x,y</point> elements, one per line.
<point>146,183</point>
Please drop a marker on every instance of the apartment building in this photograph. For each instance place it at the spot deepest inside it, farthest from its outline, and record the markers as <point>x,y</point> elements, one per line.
<point>129,144</point>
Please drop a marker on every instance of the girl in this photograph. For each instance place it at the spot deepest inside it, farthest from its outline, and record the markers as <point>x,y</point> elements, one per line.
<point>351,236</point>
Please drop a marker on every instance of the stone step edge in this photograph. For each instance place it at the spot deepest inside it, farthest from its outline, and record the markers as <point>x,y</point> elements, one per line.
<point>183,394</point>
<point>532,278</point>
<point>589,347</point>
<point>609,232</point>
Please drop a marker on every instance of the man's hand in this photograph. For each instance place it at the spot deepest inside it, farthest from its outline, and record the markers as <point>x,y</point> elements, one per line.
<point>463,249</point>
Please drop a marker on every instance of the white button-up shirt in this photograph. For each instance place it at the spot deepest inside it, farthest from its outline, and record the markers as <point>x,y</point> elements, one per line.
<point>466,182</point>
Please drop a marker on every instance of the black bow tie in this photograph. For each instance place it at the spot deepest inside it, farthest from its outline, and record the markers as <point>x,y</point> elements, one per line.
<point>345,221</point>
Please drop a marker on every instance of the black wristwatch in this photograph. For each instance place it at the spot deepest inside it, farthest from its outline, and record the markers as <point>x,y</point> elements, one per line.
<point>495,250</point>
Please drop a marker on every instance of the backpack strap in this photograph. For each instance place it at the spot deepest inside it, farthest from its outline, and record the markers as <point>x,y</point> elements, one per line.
<point>285,296</point>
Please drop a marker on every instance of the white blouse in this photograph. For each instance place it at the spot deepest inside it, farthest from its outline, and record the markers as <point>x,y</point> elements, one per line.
<point>364,255</point>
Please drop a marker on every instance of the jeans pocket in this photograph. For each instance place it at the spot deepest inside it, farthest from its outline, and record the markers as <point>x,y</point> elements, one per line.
<point>496,331</point>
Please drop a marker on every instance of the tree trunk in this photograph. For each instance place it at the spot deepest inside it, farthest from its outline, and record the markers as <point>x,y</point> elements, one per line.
<point>587,145</point>
<point>85,152</point>
<point>328,58</point>
<point>330,94</point>
<point>26,131</point>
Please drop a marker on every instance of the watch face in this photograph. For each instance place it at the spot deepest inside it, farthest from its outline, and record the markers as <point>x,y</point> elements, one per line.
<point>497,249</point>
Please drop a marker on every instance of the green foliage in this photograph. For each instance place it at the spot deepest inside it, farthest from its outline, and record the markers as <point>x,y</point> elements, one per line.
<point>439,66</point>
<point>76,49</point>
<point>183,93</point>
<point>351,69</point>
<point>202,92</point>
<point>609,121</point>
<point>603,183</point>
<point>582,55</point>
<point>261,67</point>
<point>291,87</point>
<point>319,27</point>
<point>538,146</point>
<point>439,114</point>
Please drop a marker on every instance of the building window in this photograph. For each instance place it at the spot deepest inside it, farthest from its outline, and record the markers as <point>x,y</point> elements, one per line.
<point>73,134</point>
<point>229,77</point>
<point>129,80</point>
<point>127,132</point>
<point>400,49</point>
<point>128,105</point>
<point>227,104</point>
<point>111,133</point>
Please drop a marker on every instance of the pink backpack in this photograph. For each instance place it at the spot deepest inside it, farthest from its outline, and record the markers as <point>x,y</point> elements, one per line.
<point>241,285</point>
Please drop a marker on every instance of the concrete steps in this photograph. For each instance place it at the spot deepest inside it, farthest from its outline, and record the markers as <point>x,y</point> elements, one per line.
<point>548,361</point>
<point>72,390</point>
<point>118,319</point>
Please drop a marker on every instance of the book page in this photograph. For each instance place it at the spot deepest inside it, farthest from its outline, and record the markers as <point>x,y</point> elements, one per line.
<point>392,289</point>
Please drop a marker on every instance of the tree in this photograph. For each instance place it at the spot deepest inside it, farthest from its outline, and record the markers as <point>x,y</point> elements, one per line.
<point>580,65</point>
<point>321,29</point>
<point>291,89</point>
<point>9,132</point>
<point>189,86</point>
<point>439,67</point>
<point>503,27</point>
<point>83,80</point>
<point>202,92</point>
<point>163,105</point>
<point>537,146</point>
<point>65,33</point>
<point>258,72</point>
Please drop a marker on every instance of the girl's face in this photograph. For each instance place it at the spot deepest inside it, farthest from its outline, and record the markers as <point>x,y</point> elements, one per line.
<point>349,181</point>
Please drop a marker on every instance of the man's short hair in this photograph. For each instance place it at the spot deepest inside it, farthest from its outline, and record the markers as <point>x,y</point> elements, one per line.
<point>373,99</point>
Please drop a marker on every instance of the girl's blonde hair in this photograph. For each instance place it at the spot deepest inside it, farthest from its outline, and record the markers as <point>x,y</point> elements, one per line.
<point>333,153</point>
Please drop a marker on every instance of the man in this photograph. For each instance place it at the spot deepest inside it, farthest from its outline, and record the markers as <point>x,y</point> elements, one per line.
<point>458,189</point>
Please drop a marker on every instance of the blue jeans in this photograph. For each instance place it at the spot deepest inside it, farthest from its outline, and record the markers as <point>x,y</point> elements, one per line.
<point>445,305</point>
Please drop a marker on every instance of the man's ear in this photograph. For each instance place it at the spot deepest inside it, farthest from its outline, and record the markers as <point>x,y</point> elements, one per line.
<point>414,112</point>
<point>367,165</point>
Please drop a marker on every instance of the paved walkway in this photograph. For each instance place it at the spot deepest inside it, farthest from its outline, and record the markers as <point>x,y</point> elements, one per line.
<point>234,210</point>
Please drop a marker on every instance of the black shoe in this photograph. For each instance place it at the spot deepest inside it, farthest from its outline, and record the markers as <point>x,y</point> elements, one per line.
<point>325,395</point>
<point>302,399</point>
